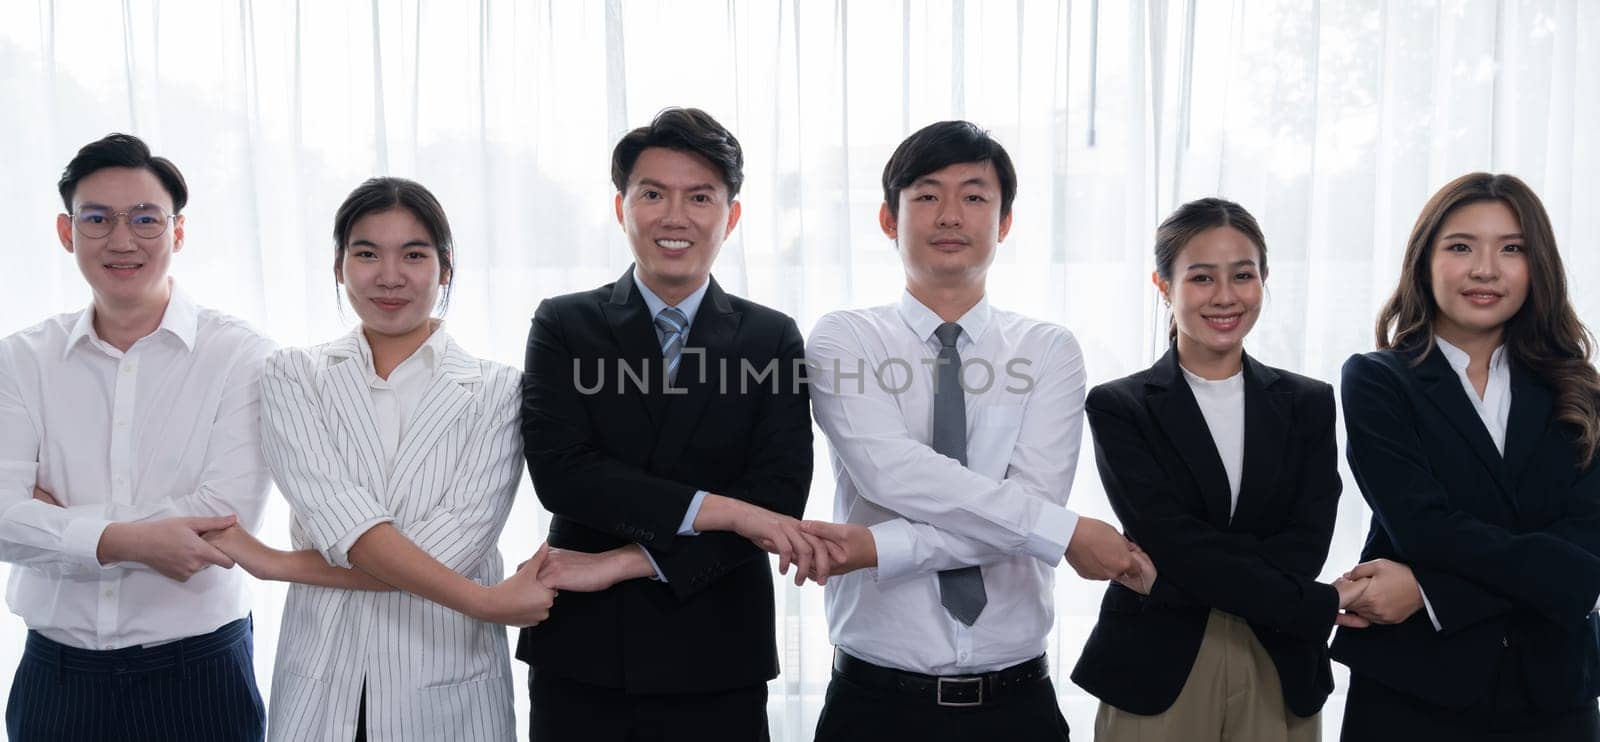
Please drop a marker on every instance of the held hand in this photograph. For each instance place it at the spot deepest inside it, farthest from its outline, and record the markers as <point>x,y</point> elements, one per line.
<point>44,497</point>
<point>521,600</point>
<point>1391,597</point>
<point>1350,591</point>
<point>584,572</point>
<point>850,546</point>
<point>780,534</point>
<point>171,546</point>
<point>260,560</point>
<point>1142,578</point>
<point>1097,551</point>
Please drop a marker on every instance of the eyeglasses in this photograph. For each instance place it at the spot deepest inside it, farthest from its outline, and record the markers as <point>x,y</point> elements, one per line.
<point>146,221</point>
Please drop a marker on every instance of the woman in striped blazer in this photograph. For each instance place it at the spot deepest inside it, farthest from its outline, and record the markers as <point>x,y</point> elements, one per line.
<point>400,455</point>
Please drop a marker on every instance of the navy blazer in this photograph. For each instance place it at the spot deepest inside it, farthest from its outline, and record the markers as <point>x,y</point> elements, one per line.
<point>1167,484</point>
<point>1505,548</point>
<point>618,463</point>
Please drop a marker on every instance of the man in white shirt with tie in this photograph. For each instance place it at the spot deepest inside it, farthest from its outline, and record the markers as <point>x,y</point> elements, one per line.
<point>127,431</point>
<point>955,429</point>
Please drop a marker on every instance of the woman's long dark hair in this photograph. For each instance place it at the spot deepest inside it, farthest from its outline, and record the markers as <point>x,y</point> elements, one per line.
<point>1543,338</point>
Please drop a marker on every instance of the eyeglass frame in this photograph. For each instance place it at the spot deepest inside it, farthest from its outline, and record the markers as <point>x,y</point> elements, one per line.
<point>126,217</point>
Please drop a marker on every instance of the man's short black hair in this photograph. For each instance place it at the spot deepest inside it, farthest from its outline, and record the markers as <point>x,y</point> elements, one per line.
<point>122,150</point>
<point>685,130</point>
<point>937,146</point>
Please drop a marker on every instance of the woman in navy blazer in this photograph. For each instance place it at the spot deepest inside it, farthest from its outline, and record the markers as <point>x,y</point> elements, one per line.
<point>1224,472</point>
<point>1472,434</point>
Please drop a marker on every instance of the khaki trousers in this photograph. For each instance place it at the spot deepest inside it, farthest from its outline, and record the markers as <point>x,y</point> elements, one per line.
<point>1232,695</point>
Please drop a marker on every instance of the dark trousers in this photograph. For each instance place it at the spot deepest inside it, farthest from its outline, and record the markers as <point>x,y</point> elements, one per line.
<point>563,710</point>
<point>856,713</point>
<point>1373,712</point>
<point>200,688</point>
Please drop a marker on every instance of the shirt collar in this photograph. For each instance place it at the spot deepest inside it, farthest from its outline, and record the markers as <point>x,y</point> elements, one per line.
<point>923,321</point>
<point>181,319</point>
<point>689,306</point>
<point>1459,359</point>
<point>432,351</point>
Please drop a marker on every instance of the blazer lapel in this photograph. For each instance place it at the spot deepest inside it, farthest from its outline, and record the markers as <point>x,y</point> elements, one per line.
<point>633,329</point>
<point>1267,415</point>
<point>1531,404</point>
<point>1443,387</point>
<point>344,386</point>
<point>700,375</point>
<point>1173,407</point>
<point>447,396</point>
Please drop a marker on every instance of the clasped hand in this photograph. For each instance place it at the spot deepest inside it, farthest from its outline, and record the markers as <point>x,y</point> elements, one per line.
<point>1381,591</point>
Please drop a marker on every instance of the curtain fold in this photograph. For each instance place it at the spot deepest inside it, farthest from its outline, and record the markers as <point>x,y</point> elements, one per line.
<point>1332,122</point>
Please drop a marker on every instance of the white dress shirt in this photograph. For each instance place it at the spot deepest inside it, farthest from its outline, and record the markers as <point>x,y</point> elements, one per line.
<point>448,484</point>
<point>872,374</point>
<point>169,428</point>
<point>1222,405</point>
<point>394,400</point>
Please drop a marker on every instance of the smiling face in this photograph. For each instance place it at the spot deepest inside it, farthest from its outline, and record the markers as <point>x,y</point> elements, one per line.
<point>1479,273</point>
<point>948,226</point>
<point>1215,293</point>
<point>676,213</point>
<point>124,270</point>
<point>391,274</point>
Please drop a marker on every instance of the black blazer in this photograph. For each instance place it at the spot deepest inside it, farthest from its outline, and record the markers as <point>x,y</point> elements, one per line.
<point>1167,484</point>
<point>616,465</point>
<point>1504,548</point>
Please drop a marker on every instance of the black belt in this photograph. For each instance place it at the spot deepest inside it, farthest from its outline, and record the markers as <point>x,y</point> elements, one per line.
<point>950,690</point>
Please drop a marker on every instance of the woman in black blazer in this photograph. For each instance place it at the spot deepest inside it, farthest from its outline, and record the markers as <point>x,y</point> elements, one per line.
<point>1472,434</point>
<point>1224,473</point>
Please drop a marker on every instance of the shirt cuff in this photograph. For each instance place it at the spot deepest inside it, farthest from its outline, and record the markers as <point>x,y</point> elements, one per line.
<point>660,576</point>
<point>1429,606</point>
<point>81,538</point>
<point>1051,534</point>
<point>686,528</point>
<point>338,554</point>
<point>892,538</point>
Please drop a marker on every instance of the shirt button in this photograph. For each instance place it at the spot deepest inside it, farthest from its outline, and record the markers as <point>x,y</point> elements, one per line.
<point>122,423</point>
<point>127,368</point>
<point>111,592</point>
<point>962,656</point>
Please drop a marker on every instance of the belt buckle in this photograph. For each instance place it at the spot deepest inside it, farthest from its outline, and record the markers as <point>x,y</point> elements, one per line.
<point>956,684</point>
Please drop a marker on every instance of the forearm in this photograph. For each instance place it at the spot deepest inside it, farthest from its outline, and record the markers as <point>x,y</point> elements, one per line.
<point>385,554</point>
<point>307,567</point>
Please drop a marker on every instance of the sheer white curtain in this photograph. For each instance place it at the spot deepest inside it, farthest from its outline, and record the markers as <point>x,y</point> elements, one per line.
<point>1332,122</point>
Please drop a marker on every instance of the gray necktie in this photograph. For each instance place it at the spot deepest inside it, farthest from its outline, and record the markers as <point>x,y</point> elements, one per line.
<point>672,322</point>
<point>960,590</point>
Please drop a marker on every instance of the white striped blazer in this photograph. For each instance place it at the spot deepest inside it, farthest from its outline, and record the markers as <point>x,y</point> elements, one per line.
<point>430,673</point>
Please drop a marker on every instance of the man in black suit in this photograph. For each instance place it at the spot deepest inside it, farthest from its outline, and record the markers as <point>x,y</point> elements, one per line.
<point>667,428</point>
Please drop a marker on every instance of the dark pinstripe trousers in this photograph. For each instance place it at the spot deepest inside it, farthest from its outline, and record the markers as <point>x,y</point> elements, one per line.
<point>200,688</point>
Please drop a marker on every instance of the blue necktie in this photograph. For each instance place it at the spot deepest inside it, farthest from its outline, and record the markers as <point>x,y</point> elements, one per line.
<point>672,323</point>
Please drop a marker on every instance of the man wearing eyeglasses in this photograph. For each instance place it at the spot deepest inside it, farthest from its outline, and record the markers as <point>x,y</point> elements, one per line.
<point>127,431</point>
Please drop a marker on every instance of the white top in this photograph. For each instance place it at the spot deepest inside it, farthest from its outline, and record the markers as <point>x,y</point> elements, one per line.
<point>1222,404</point>
<point>430,672</point>
<point>394,401</point>
<point>871,387</point>
<point>1494,407</point>
<point>169,428</point>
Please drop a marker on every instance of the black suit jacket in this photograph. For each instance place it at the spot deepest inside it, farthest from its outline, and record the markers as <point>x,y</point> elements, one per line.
<point>1167,484</point>
<point>617,465</point>
<point>1503,547</point>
